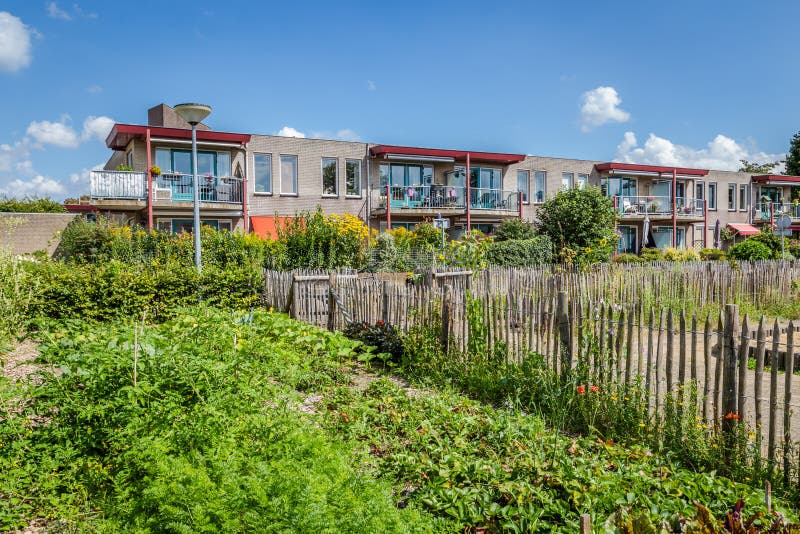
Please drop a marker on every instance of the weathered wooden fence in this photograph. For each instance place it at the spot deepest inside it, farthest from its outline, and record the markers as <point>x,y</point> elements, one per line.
<point>624,325</point>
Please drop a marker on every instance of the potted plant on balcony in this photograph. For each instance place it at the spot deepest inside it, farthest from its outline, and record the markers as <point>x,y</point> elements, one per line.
<point>155,171</point>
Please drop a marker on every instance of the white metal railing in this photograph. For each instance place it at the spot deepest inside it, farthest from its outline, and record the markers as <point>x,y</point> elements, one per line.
<point>493,199</point>
<point>118,185</point>
<point>766,210</point>
<point>657,205</point>
<point>421,196</point>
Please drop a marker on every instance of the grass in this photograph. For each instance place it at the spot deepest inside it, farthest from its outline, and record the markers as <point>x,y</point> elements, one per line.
<point>251,422</point>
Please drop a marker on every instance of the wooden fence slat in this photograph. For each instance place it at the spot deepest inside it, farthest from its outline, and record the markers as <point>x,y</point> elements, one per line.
<point>773,395</point>
<point>788,371</point>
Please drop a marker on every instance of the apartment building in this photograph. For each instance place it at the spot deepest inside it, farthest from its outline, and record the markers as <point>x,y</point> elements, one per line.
<point>250,182</point>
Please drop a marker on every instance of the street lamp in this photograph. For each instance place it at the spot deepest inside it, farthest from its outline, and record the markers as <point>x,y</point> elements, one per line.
<point>194,114</point>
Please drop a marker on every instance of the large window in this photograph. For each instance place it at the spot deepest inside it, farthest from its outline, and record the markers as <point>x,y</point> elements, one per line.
<point>700,191</point>
<point>173,161</point>
<point>742,197</point>
<point>288,175</point>
<point>662,236</point>
<point>352,177</point>
<point>712,195</point>
<point>262,170</point>
<point>627,239</point>
<point>567,180</point>
<point>483,178</point>
<point>731,197</point>
<point>619,186</point>
<point>539,191</point>
<point>330,177</point>
<point>523,184</point>
<point>583,181</point>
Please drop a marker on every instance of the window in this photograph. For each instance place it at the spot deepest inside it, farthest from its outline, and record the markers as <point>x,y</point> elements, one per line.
<point>225,225</point>
<point>223,164</point>
<point>731,197</point>
<point>523,184</point>
<point>567,180</point>
<point>619,186</point>
<point>175,161</point>
<point>352,177</point>
<point>288,175</point>
<point>583,181</point>
<point>330,177</point>
<point>662,237</point>
<point>699,190</point>
<point>129,159</point>
<point>539,181</point>
<point>627,240</point>
<point>712,195</point>
<point>742,197</point>
<point>262,169</point>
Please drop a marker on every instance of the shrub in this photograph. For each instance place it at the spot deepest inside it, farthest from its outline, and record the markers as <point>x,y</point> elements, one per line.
<point>627,258</point>
<point>514,230</point>
<point>680,255</point>
<point>750,249</point>
<point>652,254</point>
<point>30,204</point>
<point>384,337</point>
<point>316,241</point>
<point>520,253</point>
<point>712,254</point>
<point>768,238</point>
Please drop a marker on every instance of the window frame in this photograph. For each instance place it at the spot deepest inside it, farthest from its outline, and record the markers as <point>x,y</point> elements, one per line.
<point>732,197</point>
<point>743,190</point>
<point>571,181</point>
<point>635,239</point>
<point>578,181</point>
<point>347,193</point>
<point>335,161</point>
<point>526,194</point>
<point>709,187</point>
<point>296,175</point>
<point>544,187</point>
<point>255,179</point>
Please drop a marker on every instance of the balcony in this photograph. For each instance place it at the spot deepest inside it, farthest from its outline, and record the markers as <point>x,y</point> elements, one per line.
<point>130,188</point>
<point>445,198</point>
<point>766,211</point>
<point>176,187</point>
<point>118,185</point>
<point>494,199</point>
<point>657,207</point>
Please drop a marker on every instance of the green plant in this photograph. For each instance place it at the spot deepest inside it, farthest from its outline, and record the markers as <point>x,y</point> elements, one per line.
<point>520,253</point>
<point>750,249</point>
<point>384,338</point>
<point>652,254</point>
<point>30,204</point>
<point>627,258</point>
<point>514,230</point>
<point>768,238</point>
<point>712,254</point>
<point>684,254</point>
<point>155,170</point>
<point>124,168</point>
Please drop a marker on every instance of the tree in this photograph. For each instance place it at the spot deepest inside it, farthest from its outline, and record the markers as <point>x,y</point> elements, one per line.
<point>758,168</point>
<point>514,230</point>
<point>580,223</point>
<point>793,157</point>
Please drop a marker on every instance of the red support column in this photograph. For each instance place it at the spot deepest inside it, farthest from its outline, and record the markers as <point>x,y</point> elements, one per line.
<point>245,213</point>
<point>705,223</point>
<point>674,209</point>
<point>469,218</point>
<point>388,207</point>
<point>149,182</point>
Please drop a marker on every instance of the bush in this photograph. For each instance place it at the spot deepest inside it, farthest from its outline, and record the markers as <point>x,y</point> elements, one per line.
<point>514,230</point>
<point>712,254</point>
<point>750,249</point>
<point>520,253</point>
<point>680,255</point>
<point>768,238</point>
<point>627,258</point>
<point>316,241</point>
<point>30,204</point>
<point>384,337</point>
<point>652,254</point>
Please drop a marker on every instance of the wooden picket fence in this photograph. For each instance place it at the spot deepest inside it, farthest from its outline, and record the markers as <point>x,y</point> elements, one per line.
<point>740,367</point>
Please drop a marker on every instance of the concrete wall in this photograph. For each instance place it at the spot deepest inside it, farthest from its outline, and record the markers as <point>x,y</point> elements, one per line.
<point>24,233</point>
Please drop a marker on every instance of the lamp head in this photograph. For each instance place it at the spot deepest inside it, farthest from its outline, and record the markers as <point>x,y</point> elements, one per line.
<point>193,113</point>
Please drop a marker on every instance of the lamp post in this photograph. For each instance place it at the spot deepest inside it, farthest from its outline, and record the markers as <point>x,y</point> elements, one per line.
<point>194,114</point>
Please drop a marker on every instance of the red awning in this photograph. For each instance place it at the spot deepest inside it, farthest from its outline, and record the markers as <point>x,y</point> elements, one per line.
<point>743,228</point>
<point>121,134</point>
<point>487,157</point>
<point>655,169</point>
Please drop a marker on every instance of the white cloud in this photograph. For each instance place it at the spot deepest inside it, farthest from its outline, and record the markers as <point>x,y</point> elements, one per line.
<point>83,177</point>
<point>15,157</point>
<point>721,153</point>
<point>15,43</point>
<point>601,105</point>
<point>345,134</point>
<point>38,185</point>
<point>288,131</point>
<point>371,85</point>
<point>94,89</point>
<point>54,133</point>
<point>97,127</point>
<point>55,12</point>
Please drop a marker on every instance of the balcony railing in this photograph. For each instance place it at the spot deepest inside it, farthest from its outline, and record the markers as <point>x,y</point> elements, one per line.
<point>118,185</point>
<point>493,199</point>
<point>629,206</point>
<point>180,188</point>
<point>769,210</point>
<point>423,196</point>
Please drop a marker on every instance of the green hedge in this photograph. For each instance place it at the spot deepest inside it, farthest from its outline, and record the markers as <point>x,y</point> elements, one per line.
<point>750,249</point>
<point>521,253</point>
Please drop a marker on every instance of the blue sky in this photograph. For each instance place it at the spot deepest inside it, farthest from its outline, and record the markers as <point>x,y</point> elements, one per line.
<point>700,83</point>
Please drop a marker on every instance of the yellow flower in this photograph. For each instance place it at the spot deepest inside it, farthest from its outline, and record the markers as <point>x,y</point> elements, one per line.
<point>441,257</point>
<point>587,250</point>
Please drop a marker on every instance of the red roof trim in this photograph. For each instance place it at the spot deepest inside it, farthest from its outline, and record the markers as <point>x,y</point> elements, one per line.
<point>766,178</point>
<point>121,134</point>
<point>492,157</point>
<point>604,167</point>
<point>74,208</point>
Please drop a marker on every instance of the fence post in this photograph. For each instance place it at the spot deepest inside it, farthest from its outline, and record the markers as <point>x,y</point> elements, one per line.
<point>586,524</point>
<point>429,278</point>
<point>385,302</point>
<point>291,309</point>
<point>446,304</point>
<point>564,332</point>
<point>331,302</point>
<point>729,357</point>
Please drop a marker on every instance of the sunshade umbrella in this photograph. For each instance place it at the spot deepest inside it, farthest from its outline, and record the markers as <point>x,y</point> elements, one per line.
<point>646,233</point>
<point>717,235</point>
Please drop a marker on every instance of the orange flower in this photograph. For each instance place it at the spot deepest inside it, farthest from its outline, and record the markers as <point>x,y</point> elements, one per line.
<point>731,415</point>
<point>594,388</point>
<point>581,390</point>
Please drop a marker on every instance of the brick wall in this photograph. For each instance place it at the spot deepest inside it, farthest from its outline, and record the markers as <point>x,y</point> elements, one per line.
<point>24,233</point>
